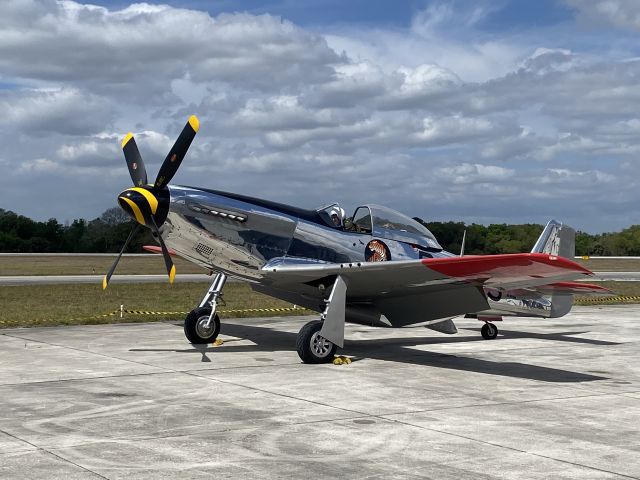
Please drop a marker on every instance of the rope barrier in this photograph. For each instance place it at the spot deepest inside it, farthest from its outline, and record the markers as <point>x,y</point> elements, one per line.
<point>122,311</point>
<point>301,309</point>
<point>619,299</point>
<point>242,310</point>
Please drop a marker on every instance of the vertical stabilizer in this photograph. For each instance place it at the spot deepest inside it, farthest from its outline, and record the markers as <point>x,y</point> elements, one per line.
<point>558,239</point>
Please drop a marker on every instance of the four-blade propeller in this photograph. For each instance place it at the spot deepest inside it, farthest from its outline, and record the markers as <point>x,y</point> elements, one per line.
<point>148,204</point>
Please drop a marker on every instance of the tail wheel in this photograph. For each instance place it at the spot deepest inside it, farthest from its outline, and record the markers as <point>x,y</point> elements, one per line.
<point>196,329</point>
<point>489,331</point>
<point>313,347</point>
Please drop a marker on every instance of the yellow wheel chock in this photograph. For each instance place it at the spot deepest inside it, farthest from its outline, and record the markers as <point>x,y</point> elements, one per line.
<point>341,360</point>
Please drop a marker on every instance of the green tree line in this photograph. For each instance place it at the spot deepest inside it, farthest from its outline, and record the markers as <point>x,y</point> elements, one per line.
<point>108,232</point>
<point>104,234</point>
<point>503,238</point>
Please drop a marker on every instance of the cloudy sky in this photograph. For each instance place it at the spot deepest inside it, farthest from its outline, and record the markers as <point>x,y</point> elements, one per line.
<point>496,111</point>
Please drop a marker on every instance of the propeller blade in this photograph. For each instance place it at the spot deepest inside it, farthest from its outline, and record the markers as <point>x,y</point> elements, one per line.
<point>134,161</point>
<point>178,151</point>
<point>107,277</point>
<point>171,268</point>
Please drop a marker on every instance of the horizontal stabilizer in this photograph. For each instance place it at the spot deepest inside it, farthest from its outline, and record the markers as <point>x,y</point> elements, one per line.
<point>575,288</point>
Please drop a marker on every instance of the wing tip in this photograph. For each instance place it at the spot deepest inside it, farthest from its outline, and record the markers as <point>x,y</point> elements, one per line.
<point>564,262</point>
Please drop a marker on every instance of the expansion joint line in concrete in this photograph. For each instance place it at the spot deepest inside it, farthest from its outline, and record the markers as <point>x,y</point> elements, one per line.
<point>506,447</point>
<point>87,379</point>
<point>111,357</point>
<point>49,452</point>
<point>292,397</point>
<point>385,417</point>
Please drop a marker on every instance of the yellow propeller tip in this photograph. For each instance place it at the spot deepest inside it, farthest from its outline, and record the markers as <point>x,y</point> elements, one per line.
<point>126,139</point>
<point>194,122</point>
<point>172,274</point>
<point>104,282</point>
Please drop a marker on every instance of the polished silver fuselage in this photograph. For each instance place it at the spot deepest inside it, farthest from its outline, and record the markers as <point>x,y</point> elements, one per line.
<point>243,237</point>
<point>243,248</point>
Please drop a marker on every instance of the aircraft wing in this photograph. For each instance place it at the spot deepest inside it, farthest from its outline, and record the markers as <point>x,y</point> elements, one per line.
<point>431,288</point>
<point>505,272</point>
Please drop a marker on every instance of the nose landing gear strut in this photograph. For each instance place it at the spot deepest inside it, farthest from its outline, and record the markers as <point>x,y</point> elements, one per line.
<point>202,325</point>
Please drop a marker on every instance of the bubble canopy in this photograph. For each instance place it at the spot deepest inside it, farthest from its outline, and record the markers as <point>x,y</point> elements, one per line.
<point>384,222</point>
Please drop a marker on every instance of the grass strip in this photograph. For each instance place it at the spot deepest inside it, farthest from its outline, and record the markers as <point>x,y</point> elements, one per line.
<point>42,305</point>
<point>91,265</point>
<point>83,304</point>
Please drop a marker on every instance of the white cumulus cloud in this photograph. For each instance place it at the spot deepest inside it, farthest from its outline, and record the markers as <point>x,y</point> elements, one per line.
<point>440,119</point>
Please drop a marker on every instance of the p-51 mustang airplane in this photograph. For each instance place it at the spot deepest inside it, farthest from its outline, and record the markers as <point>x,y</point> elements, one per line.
<point>378,267</point>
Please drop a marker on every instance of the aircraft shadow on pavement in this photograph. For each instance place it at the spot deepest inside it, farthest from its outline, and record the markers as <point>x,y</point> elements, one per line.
<point>558,336</point>
<point>266,339</point>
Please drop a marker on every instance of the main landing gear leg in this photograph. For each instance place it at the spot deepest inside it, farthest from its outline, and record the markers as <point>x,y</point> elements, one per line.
<point>489,331</point>
<point>202,325</point>
<point>318,340</point>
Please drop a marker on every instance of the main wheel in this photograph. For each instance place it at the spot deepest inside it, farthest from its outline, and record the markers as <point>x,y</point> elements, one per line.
<point>489,331</point>
<point>313,347</point>
<point>195,328</point>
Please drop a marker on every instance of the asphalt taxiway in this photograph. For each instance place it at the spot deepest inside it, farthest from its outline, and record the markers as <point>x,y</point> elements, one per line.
<point>8,280</point>
<point>546,399</point>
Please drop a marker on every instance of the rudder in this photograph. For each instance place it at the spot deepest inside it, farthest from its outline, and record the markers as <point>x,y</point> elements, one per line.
<point>560,240</point>
<point>557,239</point>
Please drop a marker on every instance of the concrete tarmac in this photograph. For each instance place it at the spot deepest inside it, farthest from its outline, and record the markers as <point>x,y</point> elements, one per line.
<point>547,399</point>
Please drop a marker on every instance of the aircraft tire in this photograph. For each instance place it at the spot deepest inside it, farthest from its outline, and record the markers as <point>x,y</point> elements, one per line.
<point>313,348</point>
<point>489,331</point>
<point>194,329</point>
